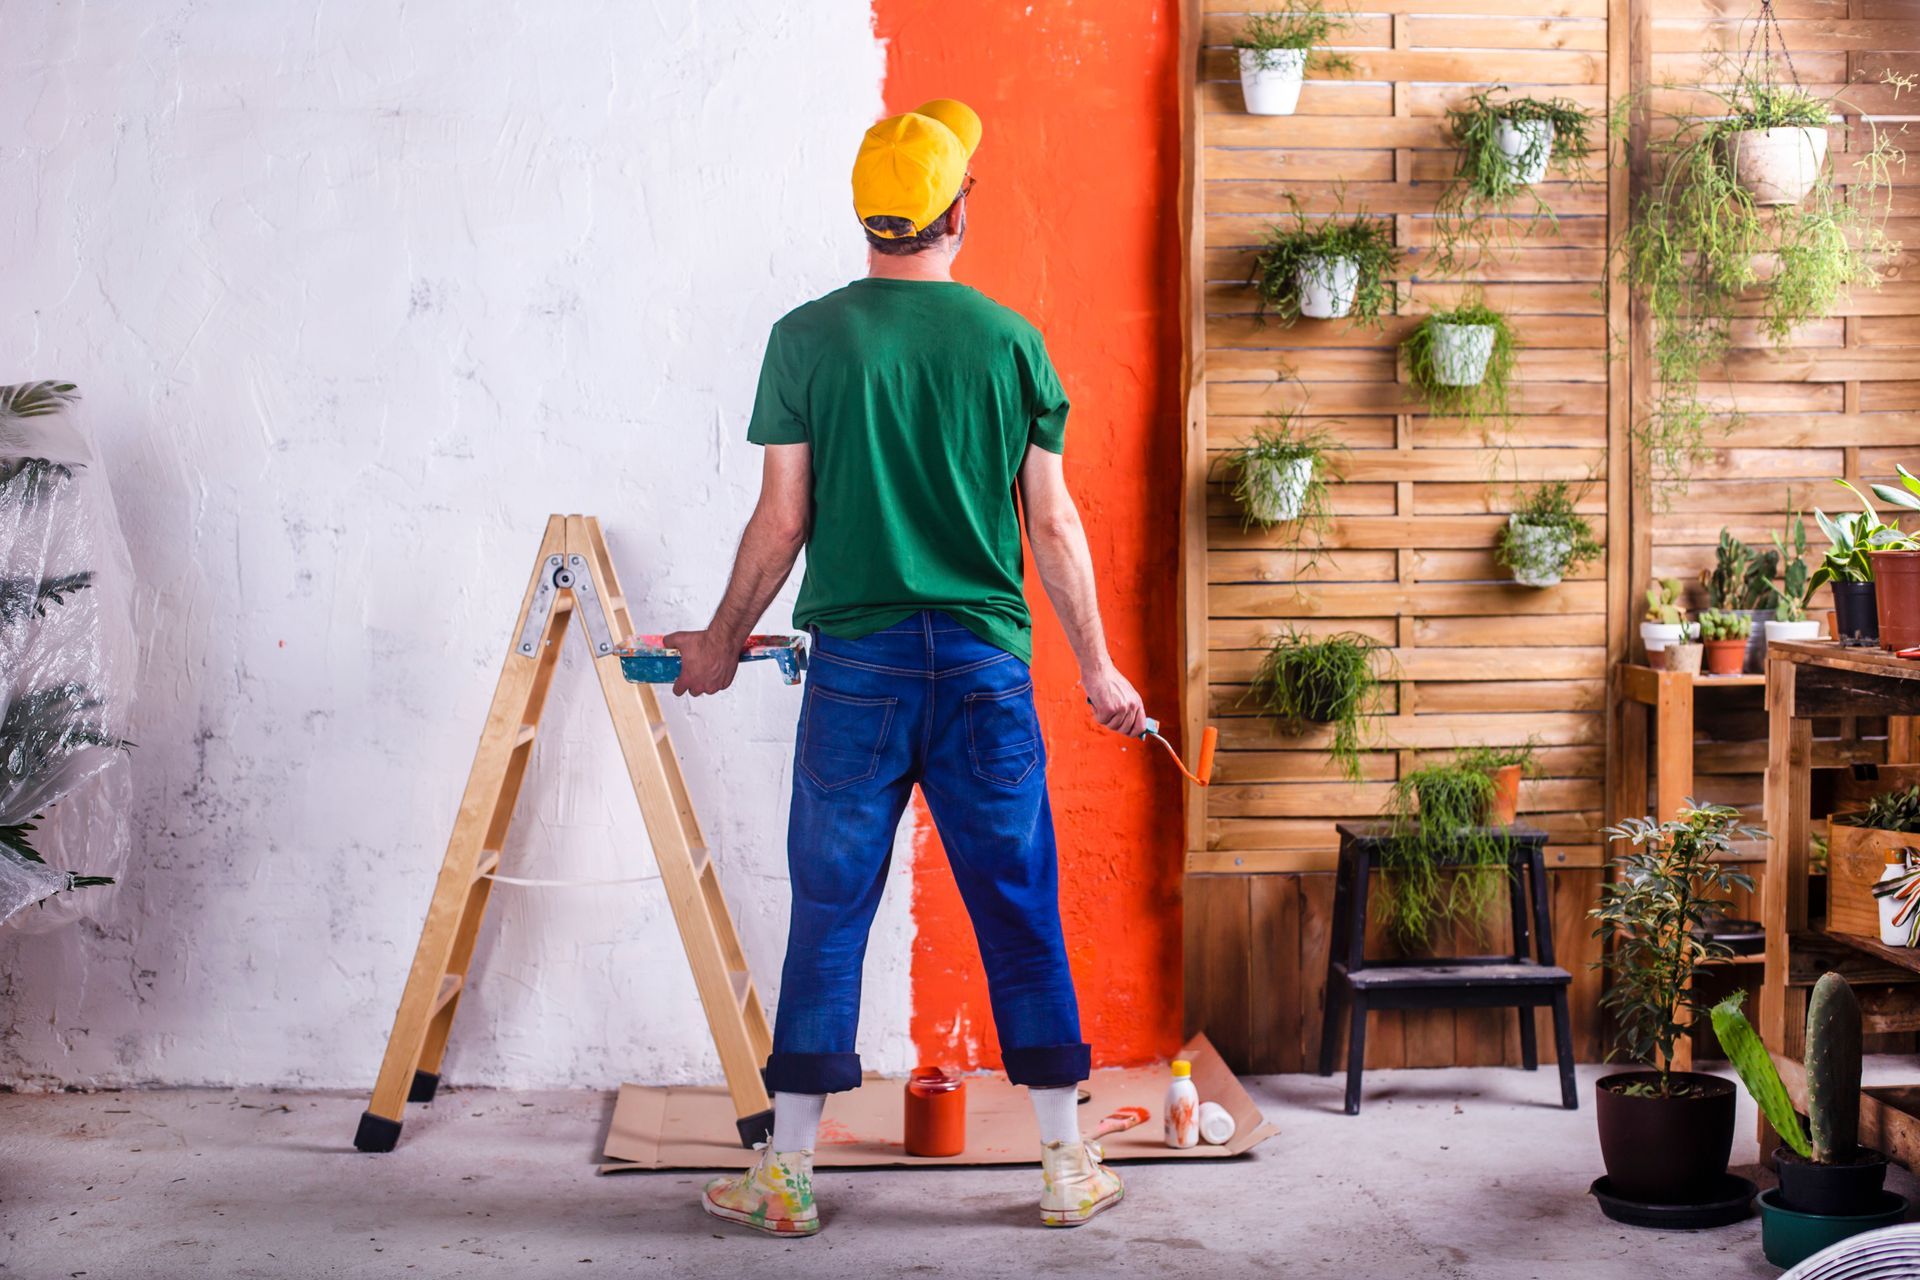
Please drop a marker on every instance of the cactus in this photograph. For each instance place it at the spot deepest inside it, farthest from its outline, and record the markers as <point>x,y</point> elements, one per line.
<point>1750,1058</point>
<point>1716,625</point>
<point>1833,1070</point>
<point>1663,602</point>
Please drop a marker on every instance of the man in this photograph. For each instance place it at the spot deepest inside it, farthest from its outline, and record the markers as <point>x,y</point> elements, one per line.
<point>899,416</point>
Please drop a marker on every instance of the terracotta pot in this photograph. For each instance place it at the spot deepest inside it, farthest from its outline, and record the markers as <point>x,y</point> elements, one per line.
<point>1856,618</point>
<point>1726,657</point>
<point>1684,657</point>
<point>1665,1150</point>
<point>1505,807</point>
<point>1896,592</point>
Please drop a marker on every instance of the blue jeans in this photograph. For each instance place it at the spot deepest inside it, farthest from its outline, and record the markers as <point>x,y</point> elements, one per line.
<point>923,701</point>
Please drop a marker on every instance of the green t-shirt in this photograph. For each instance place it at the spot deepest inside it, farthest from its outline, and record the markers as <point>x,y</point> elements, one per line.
<point>919,399</point>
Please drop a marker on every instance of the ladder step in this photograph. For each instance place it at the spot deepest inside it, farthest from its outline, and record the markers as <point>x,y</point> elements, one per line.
<point>660,731</point>
<point>742,983</point>
<point>489,863</point>
<point>525,735</point>
<point>450,984</point>
<point>702,859</point>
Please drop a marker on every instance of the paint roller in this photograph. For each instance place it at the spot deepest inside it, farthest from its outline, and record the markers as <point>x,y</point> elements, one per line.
<point>1202,773</point>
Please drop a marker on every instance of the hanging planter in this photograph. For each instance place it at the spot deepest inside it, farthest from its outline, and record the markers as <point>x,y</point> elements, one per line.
<point>1461,362</point>
<point>1779,165</point>
<point>1327,269</point>
<point>1527,145</point>
<point>1304,682</point>
<point>1275,50</point>
<point>1546,538</point>
<point>1504,146</point>
<point>1280,477</point>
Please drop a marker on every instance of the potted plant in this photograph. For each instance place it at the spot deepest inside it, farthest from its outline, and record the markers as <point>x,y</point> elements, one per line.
<point>1665,1135</point>
<point>1328,268</point>
<point>1664,623</point>
<point>1703,251</point>
<point>1442,862</point>
<point>1545,537</point>
<point>1848,565</point>
<point>1461,361</point>
<point>1685,654</point>
<point>1741,581</point>
<point>1831,1186</point>
<point>1725,635</point>
<point>1789,620</point>
<point>1274,49</point>
<point>1305,682</point>
<point>1870,886</point>
<point>1503,146</point>
<point>1896,573</point>
<point>1506,766</point>
<point>1776,143</point>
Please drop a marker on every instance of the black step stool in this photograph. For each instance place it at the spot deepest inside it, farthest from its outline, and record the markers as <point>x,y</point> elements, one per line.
<point>1521,981</point>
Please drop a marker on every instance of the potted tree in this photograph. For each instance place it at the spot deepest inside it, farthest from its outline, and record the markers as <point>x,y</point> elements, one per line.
<point>1848,564</point>
<point>1461,361</point>
<point>1502,147</point>
<point>1664,623</point>
<point>1442,862</point>
<point>1305,682</point>
<point>1725,635</point>
<point>1831,1186</point>
<point>1274,50</point>
<point>1546,537</point>
<point>1789,620</point>
<point>1328,268</point>
<point>1741,581</point>
<point>1665,1135</point>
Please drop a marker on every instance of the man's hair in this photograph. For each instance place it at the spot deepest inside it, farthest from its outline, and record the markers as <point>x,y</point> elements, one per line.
<point>902,244</point>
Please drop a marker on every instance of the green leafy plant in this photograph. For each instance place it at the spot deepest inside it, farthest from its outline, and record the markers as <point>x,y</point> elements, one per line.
<point>1741,577</point>
<point>1440,863</point>
<point>1439,380</point>
<point>1489,759</point>
<point>1889,811</point>
<point>1853,539</point>
<point>1269,489</point>
<point>1303,682</point>
<point>1717,624</point>
<point>1308,244</point>
<point>1750,1058</point>
<point>1552,506</point>
<point>1308,24</point>
<point>1702,253</point>
<point>1486,180</point>
<point>1907,495</point>
<point>1663,603</point>
<point>1666,884</point>
<point>1790,601</point>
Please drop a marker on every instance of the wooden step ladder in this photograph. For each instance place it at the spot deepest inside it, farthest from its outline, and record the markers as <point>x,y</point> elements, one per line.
<point>573,577</point>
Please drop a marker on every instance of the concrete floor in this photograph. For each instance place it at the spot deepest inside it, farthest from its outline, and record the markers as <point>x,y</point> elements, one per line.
<point>1466,1173</point>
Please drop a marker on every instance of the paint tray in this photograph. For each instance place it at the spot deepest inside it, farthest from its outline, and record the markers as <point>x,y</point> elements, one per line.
<point>647,660</point>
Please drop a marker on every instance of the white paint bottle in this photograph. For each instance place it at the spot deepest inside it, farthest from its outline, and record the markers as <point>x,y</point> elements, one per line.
<point>1183,1107</point>
<point>1216,1124</point>
<point>1891,934</point>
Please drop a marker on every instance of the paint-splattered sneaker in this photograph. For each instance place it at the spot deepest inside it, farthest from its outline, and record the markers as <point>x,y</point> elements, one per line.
<point>1075,1184</point>
<point>774,1196</point>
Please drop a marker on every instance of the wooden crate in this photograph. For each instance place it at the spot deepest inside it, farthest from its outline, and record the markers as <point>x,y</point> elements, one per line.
<point>1855,858</point>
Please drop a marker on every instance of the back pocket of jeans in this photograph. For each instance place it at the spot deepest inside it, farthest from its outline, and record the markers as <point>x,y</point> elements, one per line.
<point>1003,735</point>
<point>842,735</point>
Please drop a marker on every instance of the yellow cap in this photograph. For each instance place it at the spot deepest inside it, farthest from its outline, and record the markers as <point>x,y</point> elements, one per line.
<point>912,165</point>
<point>1182,1068</point>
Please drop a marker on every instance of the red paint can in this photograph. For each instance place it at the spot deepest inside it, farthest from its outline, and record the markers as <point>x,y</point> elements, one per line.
<point>936,1112</point>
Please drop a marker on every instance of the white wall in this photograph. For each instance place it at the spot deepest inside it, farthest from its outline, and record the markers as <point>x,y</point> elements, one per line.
<point>357,294</point>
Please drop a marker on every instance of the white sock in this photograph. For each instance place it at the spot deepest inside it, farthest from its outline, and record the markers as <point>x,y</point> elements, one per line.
<point>796,1120</point>
<point>1056,1110</point>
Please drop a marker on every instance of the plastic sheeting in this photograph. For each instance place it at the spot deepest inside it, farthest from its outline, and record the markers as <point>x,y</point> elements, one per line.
<point>66,666</point>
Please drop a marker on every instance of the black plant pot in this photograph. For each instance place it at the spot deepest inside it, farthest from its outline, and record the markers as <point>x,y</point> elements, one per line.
<point>1665,1150</point>
<point>1855,613</point>
<point>1831,1190</point>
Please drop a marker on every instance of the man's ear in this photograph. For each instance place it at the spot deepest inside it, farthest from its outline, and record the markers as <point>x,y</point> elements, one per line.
<point>957,224</point>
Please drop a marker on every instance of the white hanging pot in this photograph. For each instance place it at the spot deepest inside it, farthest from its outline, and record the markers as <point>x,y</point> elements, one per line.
<point>1327,286</point>
<point>1270,80</point>
<point>1460,353</point>
<point>1539,552</point>
<point>1777,166</point>
<point>1280,490</point>
<point>1528,146</point>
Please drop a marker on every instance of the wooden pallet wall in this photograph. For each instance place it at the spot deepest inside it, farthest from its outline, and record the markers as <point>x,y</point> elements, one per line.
<point>1476,658</point>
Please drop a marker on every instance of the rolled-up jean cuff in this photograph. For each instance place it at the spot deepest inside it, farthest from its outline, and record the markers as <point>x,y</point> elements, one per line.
<point>1049,1066</point>
<point>812,1072</point>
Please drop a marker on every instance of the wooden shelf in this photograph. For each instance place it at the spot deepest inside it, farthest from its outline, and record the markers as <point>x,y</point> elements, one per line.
<point>1899,957</point>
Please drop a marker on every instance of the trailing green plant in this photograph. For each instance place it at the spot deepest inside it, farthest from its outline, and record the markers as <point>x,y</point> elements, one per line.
<point>1671,878</point>
<point>1267,483</point>
<point>1489,759</point>
<point>1751,1060</point>
<point>1717,624</point>
<point>1790,601</point>
<point>1702,253</point>
<point>1440,862</point>
<point>1554,506</point>
<point>1478,202</point>
<point>1307,243</point>
<point>1475,402</point>
<point>1308,25</point>
<point>1853,539</point>
<point>1889,811</point>
<point>1663,603</point>
<point>1741,577</point>
<point>1303,681</point>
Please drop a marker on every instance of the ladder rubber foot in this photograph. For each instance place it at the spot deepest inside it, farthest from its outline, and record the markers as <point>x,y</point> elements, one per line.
<point>757,1127</point>
<point>425,1085</point>
<point>376,1133</point>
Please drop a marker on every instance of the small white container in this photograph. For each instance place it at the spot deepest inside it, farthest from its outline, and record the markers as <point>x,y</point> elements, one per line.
<point>1517,140</point>
<point>1216,1124</point>
<point>1270,80</point>
<point>1183,1108</point>
<point>1327,286</point>
<point>1777,166</point>
<point>1540,553</point>
<point>1282,497</point>
<point>1807,630</point>
<point>1461,353</point>
<point>1891,934</point>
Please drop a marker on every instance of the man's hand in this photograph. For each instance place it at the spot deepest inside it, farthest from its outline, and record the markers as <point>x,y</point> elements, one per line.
<point>1115,704</point>
<point>708,661</point>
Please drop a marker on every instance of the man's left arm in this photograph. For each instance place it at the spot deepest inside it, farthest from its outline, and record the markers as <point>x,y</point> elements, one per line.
<point>772,542</point>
